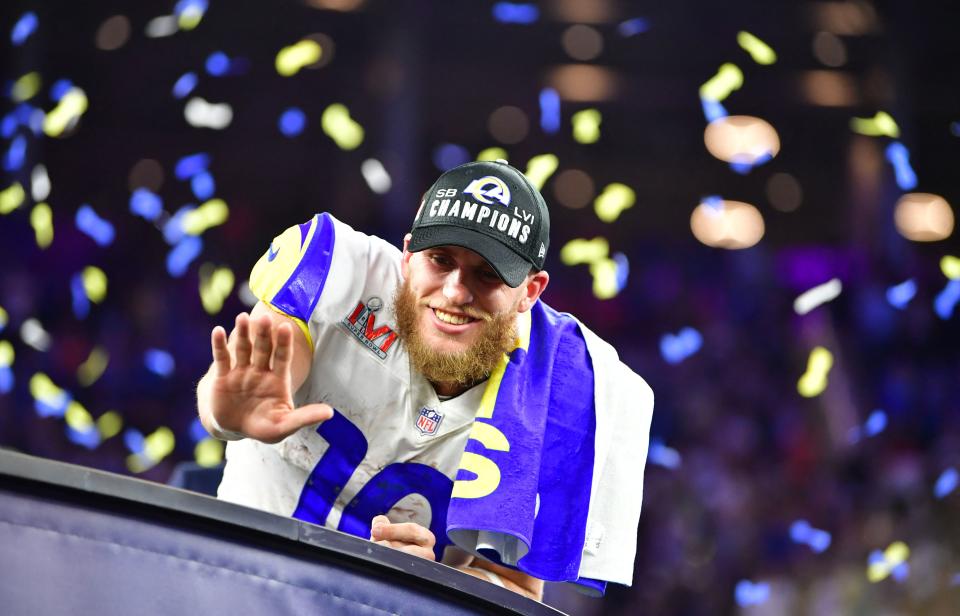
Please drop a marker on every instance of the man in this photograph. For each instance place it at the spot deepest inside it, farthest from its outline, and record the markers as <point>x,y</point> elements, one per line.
<point>360,390</point>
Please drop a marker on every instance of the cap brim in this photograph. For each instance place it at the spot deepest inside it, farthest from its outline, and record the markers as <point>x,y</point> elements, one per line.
<point>511,267</point>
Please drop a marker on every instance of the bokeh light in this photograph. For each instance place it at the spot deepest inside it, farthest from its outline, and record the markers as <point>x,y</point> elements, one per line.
<point>582,42</point>
<point>784,192</point>
<point>113,33</point>
<point>742,139</point>
<point>573,188</point>
<point>508,124</point>
<point>923,217</point>
<point>728,224</point>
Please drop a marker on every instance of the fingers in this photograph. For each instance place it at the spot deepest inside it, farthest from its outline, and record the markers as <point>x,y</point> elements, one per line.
<point>415,550</point>
<point>306,415</point>
<point>262,343</point>
<point>407,533</point>
<point>221,355</point>
<point>242,330</point>
<point>283,352</point>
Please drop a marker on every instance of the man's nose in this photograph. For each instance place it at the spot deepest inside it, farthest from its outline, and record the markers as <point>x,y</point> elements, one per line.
<point>455,290</point>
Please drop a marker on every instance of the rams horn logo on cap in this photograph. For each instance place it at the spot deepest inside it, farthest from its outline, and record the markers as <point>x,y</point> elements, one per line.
<point>488,188</point>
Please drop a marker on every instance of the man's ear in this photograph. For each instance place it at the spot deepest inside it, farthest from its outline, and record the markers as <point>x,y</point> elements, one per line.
<point>405,260</point>
<point>534,285</point>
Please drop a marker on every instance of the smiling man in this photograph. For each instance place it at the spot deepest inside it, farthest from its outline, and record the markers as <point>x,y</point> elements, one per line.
<point>404,395</point>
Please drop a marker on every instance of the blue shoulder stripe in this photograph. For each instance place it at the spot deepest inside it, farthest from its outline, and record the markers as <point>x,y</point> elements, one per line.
<point>299,296</point>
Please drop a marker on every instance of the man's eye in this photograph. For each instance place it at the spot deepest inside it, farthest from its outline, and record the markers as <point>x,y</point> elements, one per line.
<point>489,275</point>
<point>440,259</point>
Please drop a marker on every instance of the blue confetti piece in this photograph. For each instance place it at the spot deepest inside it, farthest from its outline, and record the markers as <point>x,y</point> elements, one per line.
<point>81,303</point>
<point>59,89</point>
<point>6,379</point>
<point>25,26</point>
<point>946,300</point>
<point>159,362</point>
<point>898,156</point>
<point>146,204</point>
<point>549,111</point>
<point>173,229</point>
<point>713,110</point>
<point>676,348</point>
<point>819,540</point>
<point>292,122</point>
<point>799,531</point>
<point>35,122</point>
<point>217,64</point>
<point>88,438</point>
<point>714,202</point>
<point>876,557</point>
<point>8,125</point>
<point>630,27</point>
<point>134,440</point>
<point>199,6</point>
<point>189,166</point>
<point>899,295</point>
<point>901,571</point>
<point>16,154</point>
<point>946,483</point>
<point>181,255</point>
<point>955,128</point>
<point>52,407</point>
<point>623,270</point>
<point>185,85</point>
<point>662,455</point>
<point>100,230</point>
<point>747,593</point>
<point>515,13</point>
<point>203,185</point>
<point>197,431</point>
<point>449,155</point>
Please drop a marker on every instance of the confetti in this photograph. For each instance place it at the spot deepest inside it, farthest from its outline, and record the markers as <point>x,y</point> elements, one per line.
<point>712,110</point>
<point>291,59</point>
<point>77,417</point>
<point>899,157</point>
<point>16,153</point>
<point>93,367</point>
<point>203,185</point>
<point>614,199</point>
<point>39,183</point>
<point>80,301</point>
<point>26,87</point>
<point>109,424</point>
<point>881,564</point>
<point>748,593</point>
<point>946,300</point>
<point>25,26</point>
<point>549,111</point>
<point>7,354</point>
<point>664,456</point>
<point>604,272</point>
<point>719,87</point>
<point>630,27</point>
<point>540,168</point>
<point>48,399</point>
<point>99,229</point>
<point>41,219</point>
<point>11,198</point>
<point>94,284</point>
<point>946,483</point>
<point>586,126</point>
<point>579,251</point>
<point>881,124</point>
<point>159,443</point>
<point>173,231</point>
<point>758,50</point>
<point>623,270</point>
<point>215,287</point>
<point>816,539</point>
<point>88,437</point>
<point>817,296</point>
<point>449,155</point>
<point>66,113</point>
<point>875,424</point>
<point>899,295</point>
<point>211,214</point>
<point>182,255</point>
<point>674,348</point>
<point>4,319</point>
<point>189,166</point>
<point>217,64</point>
<point>494,153</point>
<point>34,335</point>
<point>201,114</point>
<point>339,126</point>
<point>159,362</point>
<point>146,204</point>
<point>950,266</point>
<point>376,176</point>
<point>292,122</point>
<point>189,13</point>
<point>185,85</point>
<point>59,89</point>
<point>158,27</point>
<point>208,452</point>
<point>515,13</point>
<point>814,380</point>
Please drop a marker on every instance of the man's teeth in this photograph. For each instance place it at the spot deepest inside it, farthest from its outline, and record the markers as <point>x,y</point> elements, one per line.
<point>453,319</point>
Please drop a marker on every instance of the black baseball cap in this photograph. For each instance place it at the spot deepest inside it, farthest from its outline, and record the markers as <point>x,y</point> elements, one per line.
<point>490,208</point>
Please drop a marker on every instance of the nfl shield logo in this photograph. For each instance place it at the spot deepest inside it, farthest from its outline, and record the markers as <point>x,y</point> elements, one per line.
<point>428,421</point>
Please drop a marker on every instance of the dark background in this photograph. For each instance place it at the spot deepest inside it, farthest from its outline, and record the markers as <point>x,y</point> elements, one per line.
<point>756,456</point>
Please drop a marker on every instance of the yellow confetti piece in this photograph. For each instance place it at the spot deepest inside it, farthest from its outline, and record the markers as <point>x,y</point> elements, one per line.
<point>137,463</point>
<point>68,110</point>
<point>190,18</point>
<point>4,318</point>
<point>950,266</point>
<point>42,388</point>
<point>159,444</point>
<point>586,126</point>
<point>94,283</point>
<point>7,354</point>
<point>614,199</point>
<point>208,452</point>
<point>339,126</point>
<point>881,124</point>
<point>77,417</point>
<point>11,198</point>
<point>26,87</point>
<point>540,168</point>
<point>109,424</point>
<point>719,87</point>
<point>604,272</point>
<point>758,50</point>
<point>293,58</point>
<point>895,554</point>
<point>814,380</point>
<point>580,251</point>
<point>92,368</point>
<point>211,214</point>
<point>492,154</point>
<point>215,287</point>
<point>41,219</point>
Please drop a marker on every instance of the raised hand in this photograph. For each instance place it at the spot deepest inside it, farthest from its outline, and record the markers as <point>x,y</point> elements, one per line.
<point>250,389</point>
<point>407,536</point>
